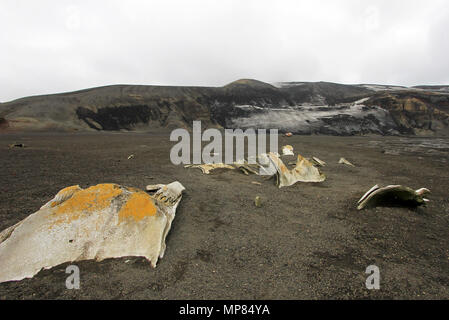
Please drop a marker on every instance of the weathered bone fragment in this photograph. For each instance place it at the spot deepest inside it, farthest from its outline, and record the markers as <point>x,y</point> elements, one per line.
<point>304,171</point>
<point>62,196</point>
<point>393,195</point>
<point>259,165</point>
<point>344,161</point>
<point>246,167</point>
<point>318,162</point>
<point>266,167</point>
<point>287,150</point>
<point>207,168</point>
<point>103,221</point>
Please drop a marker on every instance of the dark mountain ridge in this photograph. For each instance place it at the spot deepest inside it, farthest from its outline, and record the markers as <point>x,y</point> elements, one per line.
<point>299,107</point>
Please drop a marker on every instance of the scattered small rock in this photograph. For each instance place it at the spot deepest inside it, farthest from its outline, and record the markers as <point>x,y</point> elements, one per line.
<point>258,202</point>
<point>17,145</point>
<point>391,152</point>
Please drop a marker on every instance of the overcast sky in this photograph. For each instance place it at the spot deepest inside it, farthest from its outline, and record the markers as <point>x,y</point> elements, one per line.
<point>56,46</point>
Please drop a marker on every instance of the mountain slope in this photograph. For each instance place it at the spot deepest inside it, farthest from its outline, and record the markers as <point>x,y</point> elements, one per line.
<point>109,108</point>
<point>299,107</point>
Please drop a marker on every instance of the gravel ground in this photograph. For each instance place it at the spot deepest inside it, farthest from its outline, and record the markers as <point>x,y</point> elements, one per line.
<point>307,241</point>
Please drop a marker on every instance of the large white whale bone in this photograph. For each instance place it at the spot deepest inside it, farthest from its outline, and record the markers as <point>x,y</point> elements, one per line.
<point>103,221</point>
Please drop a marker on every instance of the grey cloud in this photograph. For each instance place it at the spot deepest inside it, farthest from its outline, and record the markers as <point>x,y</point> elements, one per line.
<point>54,46</point>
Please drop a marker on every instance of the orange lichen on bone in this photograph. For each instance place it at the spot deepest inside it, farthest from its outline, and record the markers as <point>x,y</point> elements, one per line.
<point>95,198</point>
<point>138,206</point>
<point>302,165</point>
<point>303,161</point>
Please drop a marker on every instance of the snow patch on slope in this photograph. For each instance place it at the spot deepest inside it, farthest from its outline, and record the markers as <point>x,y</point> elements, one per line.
<point>341,119</point>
